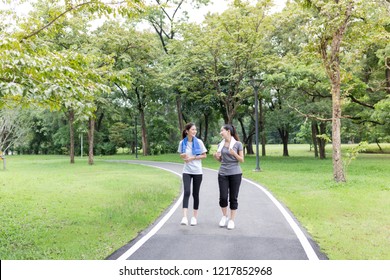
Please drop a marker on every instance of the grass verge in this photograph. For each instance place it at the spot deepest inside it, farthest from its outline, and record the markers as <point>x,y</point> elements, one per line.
<point>51,209</point>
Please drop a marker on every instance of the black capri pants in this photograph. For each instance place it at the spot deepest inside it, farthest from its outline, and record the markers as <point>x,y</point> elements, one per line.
<point>196,181</point>
<point>229,186</point>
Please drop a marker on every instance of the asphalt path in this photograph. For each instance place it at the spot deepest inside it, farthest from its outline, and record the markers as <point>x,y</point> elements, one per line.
<point>265,229</point>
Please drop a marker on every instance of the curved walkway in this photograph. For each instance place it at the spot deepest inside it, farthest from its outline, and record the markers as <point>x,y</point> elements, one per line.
<point>265,230</point>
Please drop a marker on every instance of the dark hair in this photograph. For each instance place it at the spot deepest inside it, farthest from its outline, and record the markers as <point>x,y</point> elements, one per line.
<point>233,131</point>
<point>187,127</point>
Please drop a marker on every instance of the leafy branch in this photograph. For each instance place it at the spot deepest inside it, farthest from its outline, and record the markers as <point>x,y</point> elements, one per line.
<point>353,153</point>
<point>69,9</point>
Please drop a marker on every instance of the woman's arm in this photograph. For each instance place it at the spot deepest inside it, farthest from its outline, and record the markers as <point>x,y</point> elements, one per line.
<point>239,156</point>
<point>218,156</point>
<point>191,158</point>
<point>202,156</point>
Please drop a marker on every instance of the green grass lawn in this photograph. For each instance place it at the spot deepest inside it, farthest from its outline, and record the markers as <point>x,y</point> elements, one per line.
<point>349,220</point>
<point>50,209</point>
<point>53,210</point>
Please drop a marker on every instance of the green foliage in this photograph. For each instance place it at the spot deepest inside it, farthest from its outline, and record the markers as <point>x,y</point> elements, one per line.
<point>382,114</point>
<point>105,148</point>
<point>203,71</point>
<point>163,136</point>
<point>32,74</point>
<point>59,77</point>
<point>14,128</point>
<point>304,134</point>
<point>229,46</point>
<point>119,134</point>
<point>353,153</point>
<point>325,137</point>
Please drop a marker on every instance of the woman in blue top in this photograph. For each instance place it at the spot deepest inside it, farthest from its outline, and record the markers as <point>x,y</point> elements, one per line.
<point>230,153</point>
<point>192,151</point>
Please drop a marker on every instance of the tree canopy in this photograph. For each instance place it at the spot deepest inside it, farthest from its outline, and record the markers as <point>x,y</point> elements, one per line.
<point>325,64</point>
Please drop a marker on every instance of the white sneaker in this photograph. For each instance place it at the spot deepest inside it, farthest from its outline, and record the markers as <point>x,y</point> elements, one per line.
<point>223,221</point>
<point>184,221</point>
<point>230,224</point>
<point>194,222</point>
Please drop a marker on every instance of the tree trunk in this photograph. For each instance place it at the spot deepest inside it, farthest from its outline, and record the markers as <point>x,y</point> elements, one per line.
<point>387,73</point>
<point>249,145</point>
<point>284,136</point>
<point>314,133</point>
<point>71,131</point>
<point>334,67</point>
<point>145,144</point>
<point>332,64</point>
<point>99,122</point>
<point>262,126</point>
<point>141,106</point>
<point>200,129</point>
<point>230,118</point>
<point>380,148</point>
<point>322,141</point>
<point>338,170</point>
<point>179,112</point>
<point>91,130</point>
<point>246,139</point>
<point>206,128</point>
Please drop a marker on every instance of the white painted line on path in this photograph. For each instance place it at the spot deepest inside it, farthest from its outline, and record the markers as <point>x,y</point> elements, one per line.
<point>297,230</point>
<point>140,242</point>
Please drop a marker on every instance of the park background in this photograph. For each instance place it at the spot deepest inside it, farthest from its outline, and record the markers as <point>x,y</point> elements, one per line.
<point>310,83</point>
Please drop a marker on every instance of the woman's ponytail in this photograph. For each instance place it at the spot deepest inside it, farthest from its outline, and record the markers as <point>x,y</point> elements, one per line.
<point>186,128</point>
<point>233,131</point>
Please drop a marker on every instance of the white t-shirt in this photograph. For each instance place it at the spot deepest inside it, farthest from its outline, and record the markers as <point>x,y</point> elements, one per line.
<point>194,166</point>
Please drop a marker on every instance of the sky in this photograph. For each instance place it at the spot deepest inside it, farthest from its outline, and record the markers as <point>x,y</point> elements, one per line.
<point>214,6</point>
<point>218,6</point>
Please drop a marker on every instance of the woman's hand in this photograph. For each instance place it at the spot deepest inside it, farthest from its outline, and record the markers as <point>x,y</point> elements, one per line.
<point>217,156</point>
<point>232,152</point>
<point>188,159</point>
<point>239,156</point>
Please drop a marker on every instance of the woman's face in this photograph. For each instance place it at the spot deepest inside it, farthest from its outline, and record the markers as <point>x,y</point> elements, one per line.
<point>224,133</point>
<point>192,131</point>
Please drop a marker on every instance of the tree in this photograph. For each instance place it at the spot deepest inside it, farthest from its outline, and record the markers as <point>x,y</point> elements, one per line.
<point>187,72</point>
<point>119,134</point>
<point>367,89</point>
<point>307,85</point>
<point>62,76</point>
<point>24,60</point>
<point>164,16</point>
<point>332,20</point>
<point>14,126</point>
<point>233,42</point>
<point>136,58</point>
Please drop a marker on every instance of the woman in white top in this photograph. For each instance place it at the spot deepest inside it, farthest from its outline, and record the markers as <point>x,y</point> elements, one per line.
<point>192,151</point>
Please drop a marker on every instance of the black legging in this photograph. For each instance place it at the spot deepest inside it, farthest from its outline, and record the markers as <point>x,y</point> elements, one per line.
<point>196,181</point>
<point>229,186</point>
